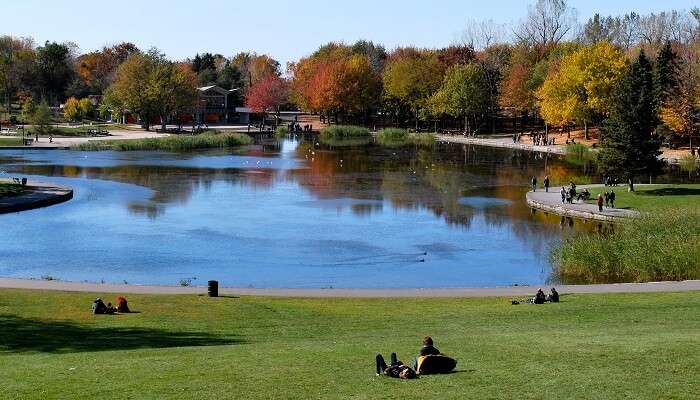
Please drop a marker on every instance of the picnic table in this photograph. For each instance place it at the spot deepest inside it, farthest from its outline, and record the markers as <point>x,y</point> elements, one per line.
<point>97,132</point>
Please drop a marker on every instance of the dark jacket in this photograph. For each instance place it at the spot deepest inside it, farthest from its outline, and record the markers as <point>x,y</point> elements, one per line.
<point>429,351</point>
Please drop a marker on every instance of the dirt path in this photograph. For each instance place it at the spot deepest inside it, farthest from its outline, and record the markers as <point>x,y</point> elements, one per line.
<point>515,291</point>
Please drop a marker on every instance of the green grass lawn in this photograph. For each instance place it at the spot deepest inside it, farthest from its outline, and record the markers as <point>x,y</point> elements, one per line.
<point>652,197</point>
<point>10,189</point>
<point>191,347</point>
<point>10,141</point>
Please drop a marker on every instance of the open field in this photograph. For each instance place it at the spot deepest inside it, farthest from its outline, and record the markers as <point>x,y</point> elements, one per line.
<point>648,198</point>
<point>10,141</point>
<point>191,347</point>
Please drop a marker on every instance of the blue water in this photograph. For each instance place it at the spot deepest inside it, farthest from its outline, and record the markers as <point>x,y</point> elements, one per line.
<point>294,215</point>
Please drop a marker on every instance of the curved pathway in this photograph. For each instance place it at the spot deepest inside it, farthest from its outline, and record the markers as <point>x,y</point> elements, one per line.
<point>37,195</point>
<point>551,202</point>
<point>513,291</point>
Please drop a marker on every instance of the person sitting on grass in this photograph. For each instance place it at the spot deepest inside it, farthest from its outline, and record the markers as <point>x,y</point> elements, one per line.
<point>396,370</point>
<point>428,349</point>
<point>554,296</point>
<point>99,307</point>
<point>122,305</point>
<point>539,298</point>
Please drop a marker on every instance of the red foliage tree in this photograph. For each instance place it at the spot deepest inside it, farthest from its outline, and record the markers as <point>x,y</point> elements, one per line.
<point>268,94</point>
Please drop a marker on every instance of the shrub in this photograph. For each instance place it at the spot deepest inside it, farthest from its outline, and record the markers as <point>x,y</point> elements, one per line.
<point>689,164</point>
<point>394,137</point>
<point>170,143</point>
<point>344,131</point>
<point>282,131</point>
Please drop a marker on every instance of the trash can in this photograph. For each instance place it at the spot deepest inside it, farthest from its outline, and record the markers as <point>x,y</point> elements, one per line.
<point>213,289</point>
<point>24,181</point>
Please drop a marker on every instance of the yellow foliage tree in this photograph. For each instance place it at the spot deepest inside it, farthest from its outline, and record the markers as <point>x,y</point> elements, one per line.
<point>582,85</point>
<point>71,109</point>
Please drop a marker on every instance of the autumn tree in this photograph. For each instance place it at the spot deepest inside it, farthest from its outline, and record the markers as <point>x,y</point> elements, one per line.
<point>583,86</point>
<point>548,22</point>
<point>336,80</point>
<point>153,87</point>
<point>413,79</point>
<point>269,94</point>
<point>71,109</point>
<point>17,58</point>
<point>464,94</point>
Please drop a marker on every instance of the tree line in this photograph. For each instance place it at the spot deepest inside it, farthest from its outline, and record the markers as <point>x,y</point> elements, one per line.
<point>547,67</point>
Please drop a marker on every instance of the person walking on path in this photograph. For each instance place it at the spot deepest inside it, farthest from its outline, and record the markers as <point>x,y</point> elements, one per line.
<point>546,183</point>
<point>601,201</point>
<point>534,183</point>
<point>612,198</point>
<point>563,195</point>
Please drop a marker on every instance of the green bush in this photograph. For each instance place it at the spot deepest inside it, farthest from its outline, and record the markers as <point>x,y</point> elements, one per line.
<point>170,143</point>
<point>660,246</point>
<point>394,137</point>
<point>282,131</point>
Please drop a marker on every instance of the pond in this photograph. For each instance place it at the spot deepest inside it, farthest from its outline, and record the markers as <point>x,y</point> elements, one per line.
<point>287,214</point>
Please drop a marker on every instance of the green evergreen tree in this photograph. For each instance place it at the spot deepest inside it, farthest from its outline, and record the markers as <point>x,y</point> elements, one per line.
<point>666,69</point>
<point>629,148</point>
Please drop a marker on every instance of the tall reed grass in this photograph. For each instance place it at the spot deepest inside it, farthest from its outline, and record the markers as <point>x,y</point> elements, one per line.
<point>169,143</point>
<point>659,246</point>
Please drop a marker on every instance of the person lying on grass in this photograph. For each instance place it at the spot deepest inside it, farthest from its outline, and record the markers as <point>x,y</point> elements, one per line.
<point>397,369</point>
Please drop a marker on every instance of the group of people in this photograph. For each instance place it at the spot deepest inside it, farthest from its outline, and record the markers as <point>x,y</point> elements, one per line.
<point>296,128</point>
<point>397,369</point>
<point>610,181</point>
<point>570,194</point>
<point>538,139</point>
<point>607,199</point>
<point>541,298</point>
<point>533,182</point>
<point>99,307</point>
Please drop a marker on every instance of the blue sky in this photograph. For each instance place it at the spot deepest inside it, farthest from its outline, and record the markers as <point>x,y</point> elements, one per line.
<point>284,29</point>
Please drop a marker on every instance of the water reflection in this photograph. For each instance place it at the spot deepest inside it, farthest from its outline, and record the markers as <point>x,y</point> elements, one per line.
<point>290,214</point>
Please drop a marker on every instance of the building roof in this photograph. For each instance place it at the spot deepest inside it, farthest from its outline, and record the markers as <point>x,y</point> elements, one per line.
<point>217,89</point>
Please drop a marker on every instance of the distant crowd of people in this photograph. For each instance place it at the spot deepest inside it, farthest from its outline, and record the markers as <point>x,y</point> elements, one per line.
<point>294,127</point>
<point>537,138</point>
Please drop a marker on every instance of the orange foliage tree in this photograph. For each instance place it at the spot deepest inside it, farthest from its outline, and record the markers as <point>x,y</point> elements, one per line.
<point>269,93</point>
<point>334,81</point>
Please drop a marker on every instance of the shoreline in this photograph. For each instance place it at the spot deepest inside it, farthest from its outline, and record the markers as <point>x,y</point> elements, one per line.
<point>513,291</point>
<point>38,195</point>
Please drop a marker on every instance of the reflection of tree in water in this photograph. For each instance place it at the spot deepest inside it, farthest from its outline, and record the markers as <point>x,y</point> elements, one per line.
<point>170,185</point>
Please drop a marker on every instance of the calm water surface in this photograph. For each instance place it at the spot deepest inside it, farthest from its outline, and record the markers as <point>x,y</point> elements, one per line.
<point>290,214</point>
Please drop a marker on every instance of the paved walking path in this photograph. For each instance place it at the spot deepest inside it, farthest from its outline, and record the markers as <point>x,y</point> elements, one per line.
<point>502,142</point>
<point>551,202</point>
<point>671,156</point>
<point>37,195</point>
<point>65,142</point>
<point>514,291</point>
